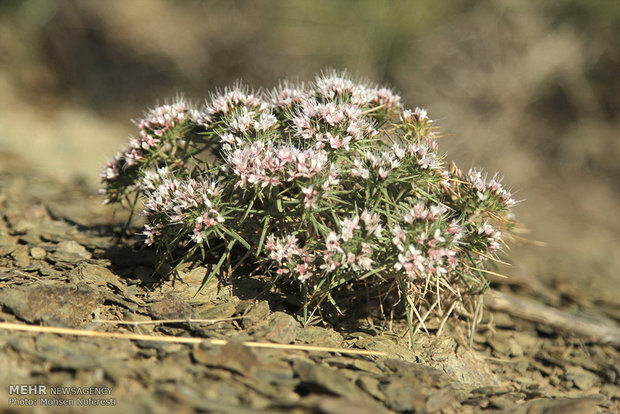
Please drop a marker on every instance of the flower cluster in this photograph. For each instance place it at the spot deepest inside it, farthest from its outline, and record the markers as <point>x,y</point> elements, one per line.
<point>160,133</point>
<point>171,202</point>
<point>428,244</point>
<point>265,165</point>
<point>493,187</point>
<point>289,256</point>
<point>350,248</point>
<point>325,184</point>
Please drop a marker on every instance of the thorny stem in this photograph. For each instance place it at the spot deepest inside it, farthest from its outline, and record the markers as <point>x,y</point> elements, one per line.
<point>474,322</point>
<point>408,310</point>
<point>217,267</point>
<point>304,288</point>
<point>132,209</point>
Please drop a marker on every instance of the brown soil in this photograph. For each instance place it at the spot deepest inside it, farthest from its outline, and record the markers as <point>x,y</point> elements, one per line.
<point>63,264</point>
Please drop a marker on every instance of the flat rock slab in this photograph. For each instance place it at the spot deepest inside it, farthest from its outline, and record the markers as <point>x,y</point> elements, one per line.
<point>279,327</point>
<point>70,251</point>
<point>242,360</point>
<point>418,388</point>
<point>170,307</point>
<point>54,304</point>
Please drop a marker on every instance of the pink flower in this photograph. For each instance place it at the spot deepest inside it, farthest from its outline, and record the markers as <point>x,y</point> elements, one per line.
<point>436,211</point>
<point>372,223</point>
<point>364,262</point>
<point>242,121</point>
<point>385,97</point>
<point>349,225</point>
<point>360,170</point>
<point>265,121</point>
<point>151,233</point>
<point>337,141</point>
<point>486,229</point>
<point>351,258</point>
<point>330,263</point>
<point>331,242</point>
<point>455,230</point>
<point>302,272</point>
<point>478,182</point>
<point>411,262</point>
<point>310,197</point>
<point>111,170</point>
<point>223,103</point>
<point>406,115</point>
<point>303,126</point>
<point>421,238</point>
<point>287,95</point>
<point>399,237</point>
<point>420,114</point>
<point>493,235</point>
<point>420,212</point>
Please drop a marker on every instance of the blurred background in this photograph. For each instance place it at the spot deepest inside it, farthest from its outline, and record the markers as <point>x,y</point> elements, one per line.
<point>530,89</point>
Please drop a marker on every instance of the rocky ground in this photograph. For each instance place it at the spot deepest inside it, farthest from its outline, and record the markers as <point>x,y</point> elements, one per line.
<point>63,264</point>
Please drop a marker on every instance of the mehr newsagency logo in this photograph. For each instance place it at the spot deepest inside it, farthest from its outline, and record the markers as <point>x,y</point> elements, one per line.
<point>39,394</point>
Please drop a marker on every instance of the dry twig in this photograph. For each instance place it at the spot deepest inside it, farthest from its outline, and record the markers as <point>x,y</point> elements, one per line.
<point>166,321</point>
<point>182,340</point>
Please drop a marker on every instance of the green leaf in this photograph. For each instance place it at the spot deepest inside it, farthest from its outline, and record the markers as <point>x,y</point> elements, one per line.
<point>262,236</point>
<point>249,208</point>
<point>373,272</point>
<point>333,302</point>
<point>215,270</point>
<point>236,236</point>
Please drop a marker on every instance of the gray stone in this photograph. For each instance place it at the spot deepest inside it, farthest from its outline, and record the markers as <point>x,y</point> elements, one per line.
<point>233,356</point>
<point>97,274</point>
<point>37,253</point>
<point>405,394</point>
<point>170,307</point>
<point>371,386</point>
<point>340,405</point>
<point>54,304</point>
<point>281,328</point>
<point>70,251</point>
<point>21,255</point>
<point>315,335</point>
<point>584,380</point>
<point>256,314</point>
<point>325,379</point>
<point>219,311</point>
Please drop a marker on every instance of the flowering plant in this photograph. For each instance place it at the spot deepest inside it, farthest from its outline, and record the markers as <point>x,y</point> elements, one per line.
<point>326,185</point>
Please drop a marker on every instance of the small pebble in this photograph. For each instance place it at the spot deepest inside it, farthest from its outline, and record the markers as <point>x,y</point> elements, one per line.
<point>37,253</point>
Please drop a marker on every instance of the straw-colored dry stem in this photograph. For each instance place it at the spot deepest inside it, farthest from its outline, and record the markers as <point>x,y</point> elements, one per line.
<point>182,340</point>
<point>165,321</point>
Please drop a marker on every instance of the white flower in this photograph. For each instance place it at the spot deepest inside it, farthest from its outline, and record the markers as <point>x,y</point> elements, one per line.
<point>265,122</point>
<point>310,196</point>
<point>372,223</point>
<point>436,211</point>
<point>331,242</point>
<point>420,114</point>
<point>399,237</point>
<point>349,225</point>
<point>360,170</point>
